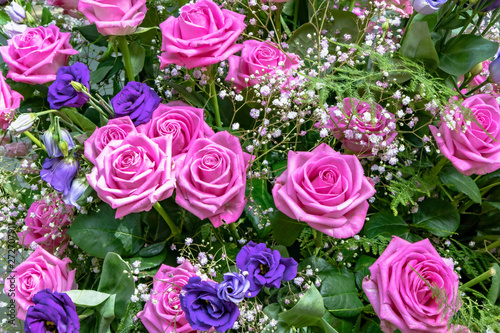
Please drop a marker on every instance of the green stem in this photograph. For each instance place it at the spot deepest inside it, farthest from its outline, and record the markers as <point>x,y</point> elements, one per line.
<point>173,228</point>
<point>442,162</point>
<point>215,103</point>
<point>234,231</point>
<point>486,275</point>
<point>318,240</point>
<point>492,246</point>
<point>34,140</point>
<point>277,20</point>
<point>123,45</point>
<point>407,28</point>
<point>478,87</point>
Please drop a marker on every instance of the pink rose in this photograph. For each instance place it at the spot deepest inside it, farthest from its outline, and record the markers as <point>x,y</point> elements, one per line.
<point>325,189</point>
<point>474,151</point>
<point>70,6</point>
<point>10,100</point>
<point>403,7</point>
<point>35,56</point>
<point>399,291</point>
<point>133,174</point>
<point>211,184</point>
<point>184,122</point>
<point>363,128</point>
<point>202,35</point>
<point>166,315</point>
<point>114,17</point>
<point>15,149</point>
<point>116,129</point>
<point>40,271</point>
<point>259,58</point>
<point>45,222</point>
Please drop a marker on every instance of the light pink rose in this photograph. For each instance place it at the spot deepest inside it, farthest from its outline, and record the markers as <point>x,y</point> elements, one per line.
<point>133,174</point>
<point>362,127</point>
<point>211,184</point>
<point>403,7</point>
<point>474,151</point>
<point>183,121</point>
<point>40,271</point>
<point>10,100</point>
<point>398,288</point>
<point>45,219</point>
<point>116,129</point>
<point>70,6</point>
<point>202,35</point>
<point>166,316</point>
<point>259,58</point>
<point>325,189</point>
<point>114,17</point>
<point>35,56</point>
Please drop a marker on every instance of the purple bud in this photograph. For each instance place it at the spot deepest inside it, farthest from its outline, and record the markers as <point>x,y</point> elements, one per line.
<point>233,288</point>
<point>59,173</point>
<point>78,188</point>
<point>13,29</point>
<point>52,141</point>
<point>427,7</point>
<point>494,69</point>
<point>16,12</point>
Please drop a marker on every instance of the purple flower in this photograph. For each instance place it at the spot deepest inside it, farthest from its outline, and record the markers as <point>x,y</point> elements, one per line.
<point>62,93</point>
<point>494,69</point>
<point>491,5</point>
<point>204,309</point>
<point>78,188</point>
<point>136,100</point>
<point>265,267</point>
<point>233,288</point>
<point>51,141</point>
<point>427,7</point>
<point>59,172</point>
<point>52,312</point>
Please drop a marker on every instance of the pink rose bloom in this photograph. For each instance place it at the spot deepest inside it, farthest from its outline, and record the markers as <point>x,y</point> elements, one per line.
<point>403,7</point>
<point>70,6</point>
<point>116,129</point>
<point>114,17</point>
<point>363,128</point>
<point>211,184</point>
<point>15,149</point>
<point>133,174</point>
<point>474,151</point>
<point>10,100</point>
<point>47,218</point>
<point>259,58</point>
<point>40,271</point>
<point>398,288</point>
<point>325,189</point>
<point>35,56</point>
<point>166,316</point>
<point>183,121</point>
<point>202,35</point>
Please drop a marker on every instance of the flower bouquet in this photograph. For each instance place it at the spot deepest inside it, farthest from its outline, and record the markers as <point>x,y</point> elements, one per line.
<point>250,166</point>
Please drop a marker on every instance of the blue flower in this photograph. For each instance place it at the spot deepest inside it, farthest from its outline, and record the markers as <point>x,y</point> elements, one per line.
<point>59,172</point>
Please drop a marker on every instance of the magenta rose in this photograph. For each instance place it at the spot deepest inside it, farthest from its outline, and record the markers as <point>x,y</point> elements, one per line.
<point>10,100</point>
<point>114,17</point>
<point>35,56</point>
<point>325,189</point>
<point>202,35</point>
<point>362,127</point>
<point>258,59</point>
<point>473,148</point>
<point>163,313</point>
<point>184,122</point>
<point>211,184</point>
<point>133,174</point>
<point>45,222</point>
<point>399,288</point>
<point>40,271</point>
<point>116,129</point>
<point>70,6</point>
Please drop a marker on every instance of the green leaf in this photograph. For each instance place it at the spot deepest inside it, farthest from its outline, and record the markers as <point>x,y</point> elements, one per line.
<point>90,33</point>
<point>463,52</point>
<point>193,98</point>
<point>285,229</point>
<point>418,45</point>
<point>100,72</point>
<point>385,224</point>
<point>137,56</point>
<point>106,315</point>
<point>46,16</point>
<point>4,18</point>
<point>149,262</point>
<point>341,295</point>
<point>117,279</point>
<point>98,233</point>
<point>152,250</point>
<point>257,190</point>
<point>465,184</point>
<point>87,298</point>
<point>142,30</point>
<point>494,291</point>
<point>437,216</point>
<point>361,269</point>
<point>80,120</point>
<point>342,21</point>
<point>318,265</point>
<point>308,311</point>
<point>299,42</point>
